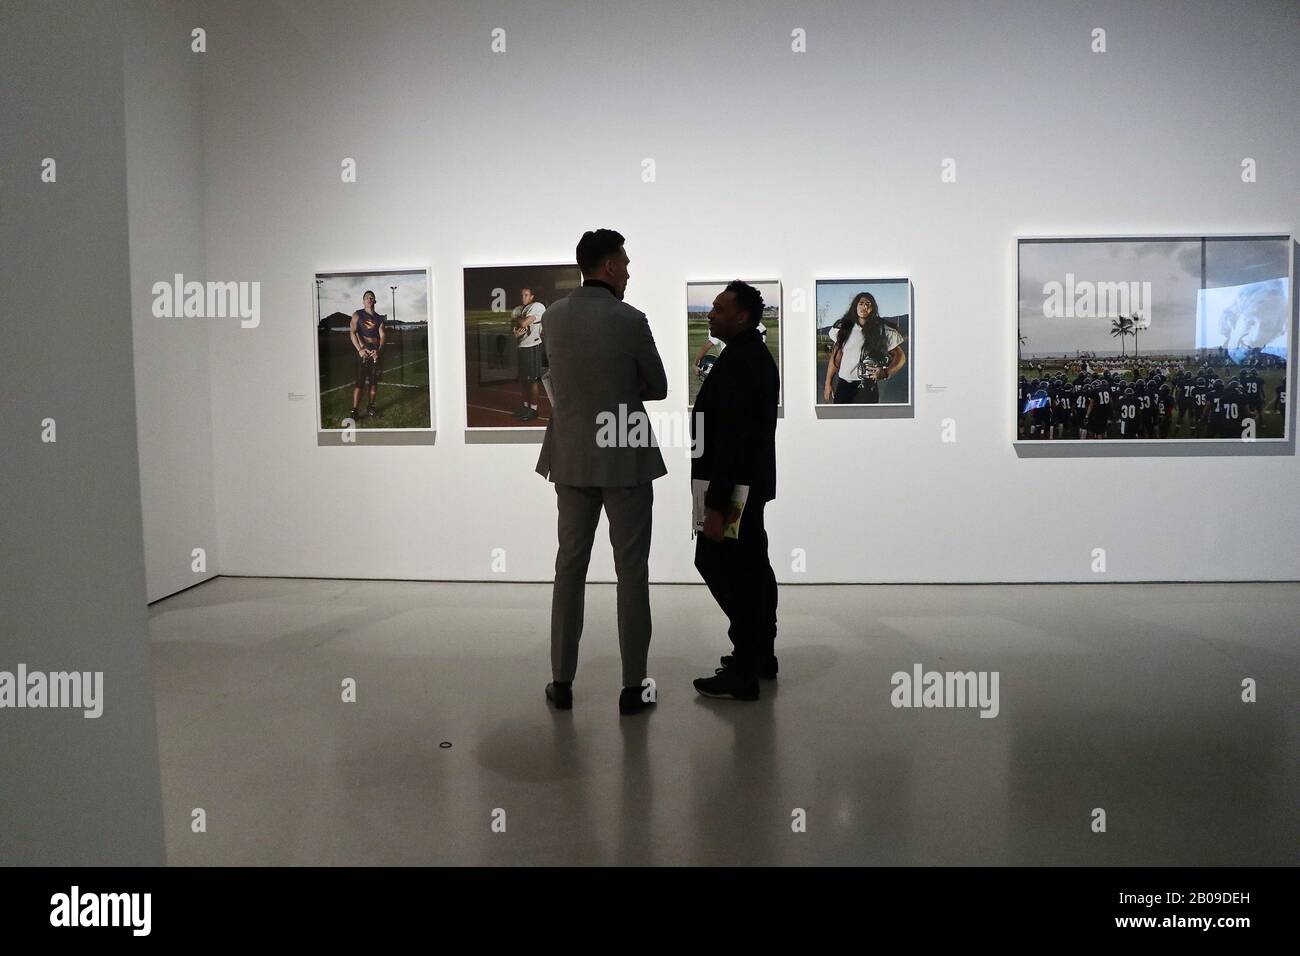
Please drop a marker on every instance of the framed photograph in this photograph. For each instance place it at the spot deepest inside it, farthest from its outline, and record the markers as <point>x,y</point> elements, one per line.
<point>373,359</point>
<point>862,344</point>
<point>505,342</point>
<point>1181,338</point>
<point>702,349</point>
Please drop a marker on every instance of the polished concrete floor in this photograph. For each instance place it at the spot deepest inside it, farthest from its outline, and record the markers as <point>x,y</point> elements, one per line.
<point>1120,697</point>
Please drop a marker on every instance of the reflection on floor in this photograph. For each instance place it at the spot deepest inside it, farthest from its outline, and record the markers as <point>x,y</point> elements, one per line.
<point>1126,698</point>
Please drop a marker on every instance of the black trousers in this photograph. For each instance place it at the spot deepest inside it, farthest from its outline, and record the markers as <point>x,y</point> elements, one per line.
<point>741,579</point>
<point>849,393</point>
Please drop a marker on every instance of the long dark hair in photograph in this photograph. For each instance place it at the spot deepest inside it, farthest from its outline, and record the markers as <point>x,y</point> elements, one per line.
<point>874,343</point>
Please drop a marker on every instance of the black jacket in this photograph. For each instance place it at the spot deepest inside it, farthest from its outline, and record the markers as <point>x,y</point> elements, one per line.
<point>734,421</point>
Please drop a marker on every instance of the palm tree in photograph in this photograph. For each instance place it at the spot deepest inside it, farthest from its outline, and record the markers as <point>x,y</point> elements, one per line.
<point>1121,328</point>
<point>1022,341</point>
<point>1136,325</point>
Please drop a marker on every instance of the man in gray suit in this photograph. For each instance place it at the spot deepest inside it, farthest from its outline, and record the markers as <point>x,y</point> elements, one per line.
<point>604,365</point>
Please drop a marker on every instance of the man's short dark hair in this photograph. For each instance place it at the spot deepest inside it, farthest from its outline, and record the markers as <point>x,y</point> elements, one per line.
<point>749,299</point>
<point>366,293</point>
<point>595,247</point>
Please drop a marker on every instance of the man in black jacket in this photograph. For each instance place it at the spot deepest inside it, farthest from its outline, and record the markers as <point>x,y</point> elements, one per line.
<point>734,424</point>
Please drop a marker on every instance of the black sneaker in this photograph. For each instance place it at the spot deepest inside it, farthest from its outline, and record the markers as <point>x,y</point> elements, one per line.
<point>528,415</point>
<point>520,412</point>
<point>630,701</point>
<point>353,414</point>
<point>728,684</point>
<point>561,695</point>
<point>373,412</point>
<point>764,673</point>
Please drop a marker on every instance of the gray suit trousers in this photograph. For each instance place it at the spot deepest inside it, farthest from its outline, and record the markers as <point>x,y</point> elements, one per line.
<point>628,510</point>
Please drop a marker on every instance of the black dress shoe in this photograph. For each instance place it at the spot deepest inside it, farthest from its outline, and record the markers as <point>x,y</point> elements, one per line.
<point>561,695</point>
<point>767,672</point>
<point>631,702</point>
<point>728,684</point>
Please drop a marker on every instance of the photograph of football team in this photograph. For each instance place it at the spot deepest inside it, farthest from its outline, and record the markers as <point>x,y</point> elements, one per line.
<point>863,327</point>
<point>703,349</point>
<point>505,342</point>
<point>1153,339</point>
<point>372,350</point>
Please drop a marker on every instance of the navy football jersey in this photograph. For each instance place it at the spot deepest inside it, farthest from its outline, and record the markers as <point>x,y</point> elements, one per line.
<point>1215,402</point>
<point>1145,405</point>
<point>1101,403</point>
<point>1128,411</point>
<point>1233,410</point>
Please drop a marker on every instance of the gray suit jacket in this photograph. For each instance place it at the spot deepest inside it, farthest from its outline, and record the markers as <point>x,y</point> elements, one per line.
<point>601,351</point>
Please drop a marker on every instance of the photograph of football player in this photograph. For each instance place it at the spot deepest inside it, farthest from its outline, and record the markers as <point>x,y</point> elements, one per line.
<point>1231,405</point>
<point>1127,406</point>
<point>862,332</point>
<point>703,349</point>
<point>1097,409</point>
<point>711,348</point>
<point>1150,339</point>
<point>526,324</point>
<point>1039,410</point>
<point>1186,388</point>
<point>367,332</point>
<point>373,366</point>
<point>505,341</point>
<point>1253,388</point>
<point>1164,409</point>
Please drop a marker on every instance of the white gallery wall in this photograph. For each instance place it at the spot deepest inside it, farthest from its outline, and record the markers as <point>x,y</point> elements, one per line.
<point>769,163</point>
<point>172,382</point>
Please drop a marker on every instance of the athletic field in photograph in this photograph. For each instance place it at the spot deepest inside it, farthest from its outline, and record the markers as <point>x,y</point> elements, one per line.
<point>493,391</point>
<point>697,330</point>
<point>403,395</point>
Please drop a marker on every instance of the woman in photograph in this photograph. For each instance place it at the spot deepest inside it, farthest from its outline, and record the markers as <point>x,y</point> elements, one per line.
<point>867,351</point>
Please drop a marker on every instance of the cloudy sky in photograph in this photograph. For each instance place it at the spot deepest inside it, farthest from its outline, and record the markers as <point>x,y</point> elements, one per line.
<point>341,292</point>
<point>1172,266</point>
